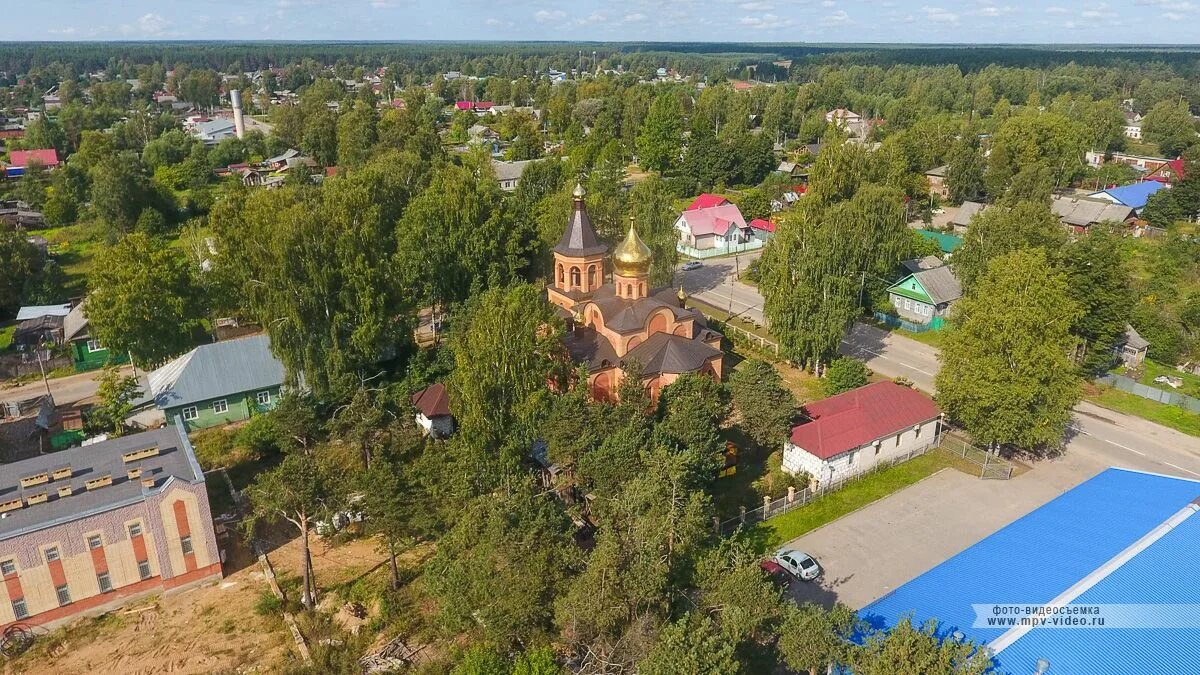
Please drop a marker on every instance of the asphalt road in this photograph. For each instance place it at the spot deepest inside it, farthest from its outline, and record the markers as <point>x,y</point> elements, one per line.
<point>1103,436</point>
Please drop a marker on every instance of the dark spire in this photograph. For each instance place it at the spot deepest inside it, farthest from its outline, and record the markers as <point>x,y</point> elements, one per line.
<point>580,239</point>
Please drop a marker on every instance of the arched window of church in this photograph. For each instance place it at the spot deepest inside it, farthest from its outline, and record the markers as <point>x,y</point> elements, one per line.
<point>591,276</point>
<point>574,277</point>
<point>561,275</point>
<point>629,290</point>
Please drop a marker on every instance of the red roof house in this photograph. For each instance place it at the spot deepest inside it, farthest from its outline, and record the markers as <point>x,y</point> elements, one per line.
<point>21,158</point>
<point>855,430</point>
<point>433,410</point>
<point>464,105</point>
<point>713,227</point>
<point>763,225</point>
<point>706,201</point>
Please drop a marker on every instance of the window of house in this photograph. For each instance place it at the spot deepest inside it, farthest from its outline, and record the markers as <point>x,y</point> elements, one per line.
<point>263,398</point>
<point>144,569</point>
<point>94,345</point>
<point>850,459</point>
<point>220,406</point>
<point>190,413</point>
<point>8,567</point>
<point>907,303</point>
<point>64,595</point>
<point>185,542</point>
<point>105,582</point>
<point>52,554</point>
<point>898,437</point>
<point>19,609</point>
<point>135,529</point>
<point>95,541</point>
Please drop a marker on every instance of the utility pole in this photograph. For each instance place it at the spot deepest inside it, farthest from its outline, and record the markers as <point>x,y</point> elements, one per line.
<point>41,367</point>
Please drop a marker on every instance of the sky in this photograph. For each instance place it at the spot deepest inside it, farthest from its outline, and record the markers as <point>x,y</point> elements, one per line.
<point>910,21</point>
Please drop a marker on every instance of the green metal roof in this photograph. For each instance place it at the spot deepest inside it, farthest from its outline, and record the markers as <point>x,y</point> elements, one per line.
<point>948,242</point>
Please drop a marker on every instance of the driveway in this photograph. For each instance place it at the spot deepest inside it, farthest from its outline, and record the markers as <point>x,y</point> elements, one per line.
<point>66,390</point>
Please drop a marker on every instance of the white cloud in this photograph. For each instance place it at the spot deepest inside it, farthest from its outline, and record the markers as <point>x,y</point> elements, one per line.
<point>828,3</point>
<point>765,22</point>
<point>151,25</point>
<point>1056,10</point>
<point>993,10</point>
<point>498,23</point>
<point>939,15</point>
<point>69,30</point>
<point>756,6</point>
<point>636,17</point>
<point>543,16</point>
<point>838,18</point>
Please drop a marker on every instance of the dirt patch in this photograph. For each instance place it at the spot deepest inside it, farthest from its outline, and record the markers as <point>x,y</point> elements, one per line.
<point>203,630</point>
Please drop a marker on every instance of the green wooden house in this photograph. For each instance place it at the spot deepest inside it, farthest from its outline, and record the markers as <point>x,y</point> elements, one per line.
<point>86,351</point>
<point>924,297</point>
<point>219,383</point>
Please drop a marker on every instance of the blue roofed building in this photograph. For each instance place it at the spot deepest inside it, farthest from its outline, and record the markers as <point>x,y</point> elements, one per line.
<point>1121,538</point>
<point>1134,195</point>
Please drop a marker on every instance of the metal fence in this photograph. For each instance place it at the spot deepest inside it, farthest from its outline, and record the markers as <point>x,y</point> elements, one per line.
<point>990,466</point>
<point>897,322</point>
<point>1136,388</point>
<point>753,339</point>
<point>797,498</point>
<point>705,253</point>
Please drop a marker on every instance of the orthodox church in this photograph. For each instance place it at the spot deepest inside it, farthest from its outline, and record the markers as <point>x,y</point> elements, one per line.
<point>612,324</point>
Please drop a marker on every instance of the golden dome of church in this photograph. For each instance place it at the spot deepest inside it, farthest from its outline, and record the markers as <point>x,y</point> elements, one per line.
<point>632,256</point>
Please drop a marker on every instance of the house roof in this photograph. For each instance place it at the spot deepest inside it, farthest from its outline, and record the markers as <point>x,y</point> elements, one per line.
<point>1122,538</point>
<point>1133,195</point>
<point>917,264</point>
<point>1088,212</point>
<point>288,154</point>
<point>216,371</point>
<point>432,401</point>
<point>20,158</point>
<point>940,284</point>
<point>75,324</point>
<point>34,311</point>
<point>938,171</point>
<point>860,416</point>
<point>174,460</point>
<point>714,219</point>
<point>1135,340</point>
<point>706,200</point>
<point>580,238</point>
<point>947,242</point>
<point>966,212</point>
<point>761,224</point>
<point>510,170</point>
<point>1176,166</point>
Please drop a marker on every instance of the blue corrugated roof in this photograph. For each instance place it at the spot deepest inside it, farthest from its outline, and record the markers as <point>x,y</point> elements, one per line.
<point>1041,555</point>
<point>947,242</point>
<point>1134,195</point>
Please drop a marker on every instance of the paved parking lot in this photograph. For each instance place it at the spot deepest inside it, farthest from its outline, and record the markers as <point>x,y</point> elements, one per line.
<point>878,548</point>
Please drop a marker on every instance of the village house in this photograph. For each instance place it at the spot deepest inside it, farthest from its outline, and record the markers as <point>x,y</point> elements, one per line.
<point>852,432</point>
<point>924,297</point>
<point>966,212</point>
<point>1134,195</point>
<point>20,160</point>
<point>712,227</point>
<point>1077,215</point>
<point>219,383</point>
<point>610,324</point>
<point>86,351</point>
<point>90,528</point>
<point>937,182</point>
<point>508,174</point>
<point>1132,348</point>
<point>433,410</point>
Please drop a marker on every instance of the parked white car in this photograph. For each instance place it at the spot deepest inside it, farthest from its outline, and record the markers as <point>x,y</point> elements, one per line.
<point>692,265</point>
<point>799,563</point>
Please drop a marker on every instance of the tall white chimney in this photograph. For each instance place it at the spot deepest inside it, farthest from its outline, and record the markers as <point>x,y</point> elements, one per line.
<point>239,123</point>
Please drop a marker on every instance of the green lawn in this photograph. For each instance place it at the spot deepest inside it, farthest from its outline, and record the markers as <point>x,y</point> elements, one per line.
<point>1152,369</point>
<point>773,533</point>
<point>1167,415</point>
<point>6,335</point>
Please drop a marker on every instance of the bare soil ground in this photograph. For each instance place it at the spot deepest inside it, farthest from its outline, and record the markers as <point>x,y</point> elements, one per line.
<point>211,629</point>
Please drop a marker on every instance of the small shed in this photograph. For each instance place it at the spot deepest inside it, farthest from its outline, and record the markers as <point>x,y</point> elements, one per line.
<point>433,410</point>
<point>1132,348</point>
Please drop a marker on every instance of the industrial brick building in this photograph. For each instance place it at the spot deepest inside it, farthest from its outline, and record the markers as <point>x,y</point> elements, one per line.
<point>86,529</point>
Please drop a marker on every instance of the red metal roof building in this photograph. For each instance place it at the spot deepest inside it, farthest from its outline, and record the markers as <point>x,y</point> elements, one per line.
<point>855,430</point>
<point>433,410</point>
<point>706,201</point>
<point>20,159</point>
<point>764,225</point>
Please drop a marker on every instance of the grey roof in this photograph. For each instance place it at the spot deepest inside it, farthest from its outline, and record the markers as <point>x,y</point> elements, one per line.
<point>175,459</point>
<point>75,325</point>
<point>580,239</point>
<point>626,316</point>
<point>1087,212</point>
<point>214,127</point>
<point>940,283</point>
<point>939,171</point>
<point>35,311</point>
<point>918,264</point>
<point>216,371</point>
<point>1133,339</point>
<point>288,154</point>
<point>510,170</point>
<point>667,353</point>
<point>966,212</point>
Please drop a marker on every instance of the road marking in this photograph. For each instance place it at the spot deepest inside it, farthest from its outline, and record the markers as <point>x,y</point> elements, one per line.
<point>1081,430</point>
<point>1181,468</point>
<point>856,348</point>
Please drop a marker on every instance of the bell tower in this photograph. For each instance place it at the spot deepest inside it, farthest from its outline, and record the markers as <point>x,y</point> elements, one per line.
<point>578,258</point>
